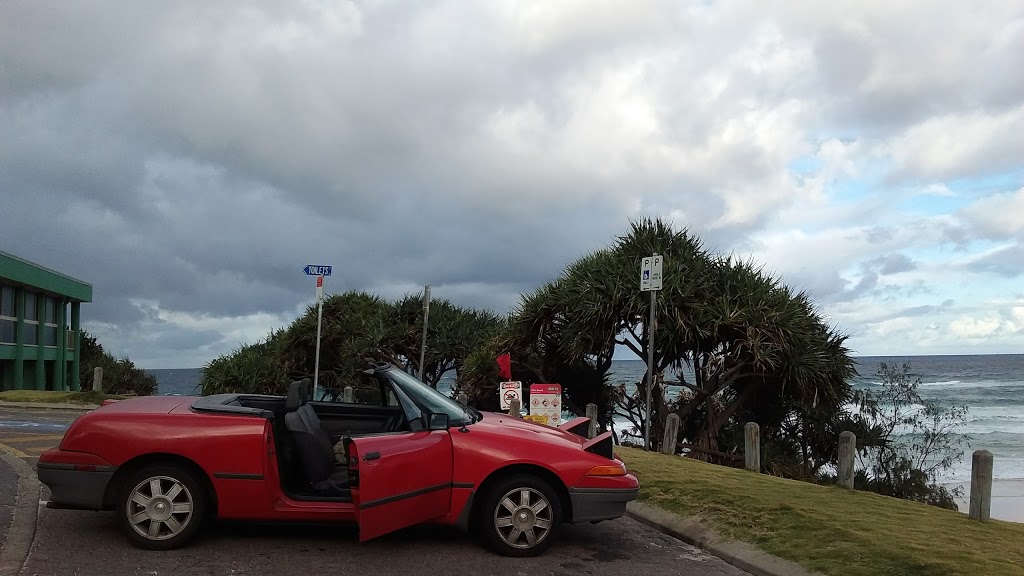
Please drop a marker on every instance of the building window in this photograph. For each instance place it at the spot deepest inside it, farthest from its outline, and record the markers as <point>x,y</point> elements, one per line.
<point>31,320</point>
<point>50,322</point>
<point>8,321</point>
<point>30,307</point>
<point>7,307</point>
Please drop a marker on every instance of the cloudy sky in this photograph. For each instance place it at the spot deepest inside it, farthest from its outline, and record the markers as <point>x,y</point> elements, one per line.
<point>189,158</point>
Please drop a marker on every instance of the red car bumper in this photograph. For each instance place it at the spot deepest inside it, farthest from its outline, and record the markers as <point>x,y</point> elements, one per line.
<point>606,499</point>
<point>76,480</point>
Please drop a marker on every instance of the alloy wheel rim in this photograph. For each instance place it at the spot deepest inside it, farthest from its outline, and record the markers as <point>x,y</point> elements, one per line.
<point>523,518</point>
<point>159,508</point>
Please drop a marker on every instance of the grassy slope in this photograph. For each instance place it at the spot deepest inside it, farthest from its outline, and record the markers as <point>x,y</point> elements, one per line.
<point>827,528</point>
<point>88,397</point>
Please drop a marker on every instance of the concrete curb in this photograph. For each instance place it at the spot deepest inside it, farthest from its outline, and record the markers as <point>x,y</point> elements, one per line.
<point>23,525</point>
<point>740,554</point>
<point>48,406</point>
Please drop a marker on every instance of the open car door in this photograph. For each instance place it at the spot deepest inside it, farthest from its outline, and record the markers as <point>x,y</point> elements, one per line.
<point>398,480</point>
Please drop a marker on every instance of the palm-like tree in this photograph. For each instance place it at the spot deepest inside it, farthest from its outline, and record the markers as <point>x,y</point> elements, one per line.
<point>746,336</point>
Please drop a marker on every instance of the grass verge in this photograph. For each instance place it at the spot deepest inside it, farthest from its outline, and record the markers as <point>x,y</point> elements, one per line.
<point>46,396</point>
<point>825,528</point>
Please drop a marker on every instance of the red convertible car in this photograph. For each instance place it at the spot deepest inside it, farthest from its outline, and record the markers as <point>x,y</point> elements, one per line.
<point>403,455</point>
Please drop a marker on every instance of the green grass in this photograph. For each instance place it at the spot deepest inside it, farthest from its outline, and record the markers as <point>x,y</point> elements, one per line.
<point>825,528</point>
<point>49,397</point>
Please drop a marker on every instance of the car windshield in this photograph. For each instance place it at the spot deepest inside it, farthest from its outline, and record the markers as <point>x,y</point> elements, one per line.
<point>429,399</point>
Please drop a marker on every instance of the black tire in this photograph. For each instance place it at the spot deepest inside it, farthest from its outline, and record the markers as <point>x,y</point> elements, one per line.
<point>174,526</point>
<point>500,527</point>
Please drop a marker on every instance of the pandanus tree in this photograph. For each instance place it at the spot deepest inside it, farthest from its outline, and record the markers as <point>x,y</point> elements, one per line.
<point>746,337</point>
<point>453,332</point>
<point>761,344</point>
<point>357,329</point>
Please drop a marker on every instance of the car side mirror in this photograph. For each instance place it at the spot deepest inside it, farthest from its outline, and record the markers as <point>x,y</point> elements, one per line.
<point>437,421</point>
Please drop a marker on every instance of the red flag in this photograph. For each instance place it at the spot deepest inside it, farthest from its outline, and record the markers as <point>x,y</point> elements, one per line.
<point>505,366</point>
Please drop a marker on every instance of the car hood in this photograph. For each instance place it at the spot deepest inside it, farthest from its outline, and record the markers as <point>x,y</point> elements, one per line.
<point>501,424</point>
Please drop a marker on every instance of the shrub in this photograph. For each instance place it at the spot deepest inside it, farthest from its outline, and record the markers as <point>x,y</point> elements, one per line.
<point>119,376</point>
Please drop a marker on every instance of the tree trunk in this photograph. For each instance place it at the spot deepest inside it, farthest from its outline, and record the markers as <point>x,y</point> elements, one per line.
<point>713,422</point>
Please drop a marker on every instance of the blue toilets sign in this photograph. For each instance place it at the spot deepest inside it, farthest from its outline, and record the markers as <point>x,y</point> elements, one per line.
<point>314,270</point>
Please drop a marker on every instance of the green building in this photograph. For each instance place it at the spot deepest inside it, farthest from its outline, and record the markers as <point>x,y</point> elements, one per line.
<point>38,351</point>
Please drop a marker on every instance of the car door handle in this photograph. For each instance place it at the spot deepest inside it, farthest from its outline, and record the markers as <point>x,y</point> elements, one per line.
<point>371,456</point>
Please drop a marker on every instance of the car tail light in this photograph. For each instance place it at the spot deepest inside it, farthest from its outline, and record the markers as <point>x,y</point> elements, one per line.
<point>608,470</point>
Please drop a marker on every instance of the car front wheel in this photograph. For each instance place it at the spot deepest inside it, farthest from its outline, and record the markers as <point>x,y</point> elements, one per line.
<point>160,506</point>
<point>519,516</point>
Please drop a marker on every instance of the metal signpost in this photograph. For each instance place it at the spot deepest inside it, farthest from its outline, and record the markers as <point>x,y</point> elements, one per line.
<point>426,317</point>
<point>319,272</point>
<point>650,281</point>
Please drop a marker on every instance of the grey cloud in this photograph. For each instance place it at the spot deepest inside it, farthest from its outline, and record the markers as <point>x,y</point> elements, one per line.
<point>880,234</point>
<point>923,310</point>
<point>893,264</point>
<point>178,339</point>
<point>1007,262</point>
<point>914,311</point>
<point>924,75</point>
<point>866,284</point>
<point>181,155</point>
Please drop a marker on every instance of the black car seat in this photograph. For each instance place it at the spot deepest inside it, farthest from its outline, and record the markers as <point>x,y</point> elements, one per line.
<point>313,421</point>
<point>313,446</point>
<point>308,414</point>
<point>291,474</point>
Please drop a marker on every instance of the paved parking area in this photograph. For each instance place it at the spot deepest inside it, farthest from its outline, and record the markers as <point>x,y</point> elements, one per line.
<point>89,543</point>
<point>29,433</point>
<point>8,490</point>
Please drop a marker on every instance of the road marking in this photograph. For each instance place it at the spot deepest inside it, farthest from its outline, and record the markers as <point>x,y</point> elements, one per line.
<point>42,436</point>
<point>32,439</point>
<point>13,451</point>
<point>34,452</point>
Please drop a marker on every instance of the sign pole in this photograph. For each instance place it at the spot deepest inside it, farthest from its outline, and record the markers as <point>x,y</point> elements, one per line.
<point>426,318</point>
<point>319,319</point>
<point>650,281</point>
<point>650,369</point>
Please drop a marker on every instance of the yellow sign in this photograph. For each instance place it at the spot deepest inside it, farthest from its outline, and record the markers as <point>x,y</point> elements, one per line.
<point>538,418</point>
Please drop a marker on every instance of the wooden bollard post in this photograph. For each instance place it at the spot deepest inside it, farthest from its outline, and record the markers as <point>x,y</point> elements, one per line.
<point>513,408</point>
<point>981,485</point>
<point>97,378</point>
<point>592,414</point>
<point>847,453</point>
<point>752,446</point>
<point>346,395</point>
<point>463,399</point>
<point>668,442</point>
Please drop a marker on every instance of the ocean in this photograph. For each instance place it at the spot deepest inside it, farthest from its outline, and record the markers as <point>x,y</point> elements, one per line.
<point>991,386</point>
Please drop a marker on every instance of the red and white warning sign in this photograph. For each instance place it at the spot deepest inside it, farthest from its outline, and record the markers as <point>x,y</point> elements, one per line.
<point>508,391</point>
<point>546,401</point>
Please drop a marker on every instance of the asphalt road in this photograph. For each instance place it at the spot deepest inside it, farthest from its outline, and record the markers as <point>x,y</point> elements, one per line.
<point>8,490</point>
<point>85,543</point>
<point>29,433</point>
